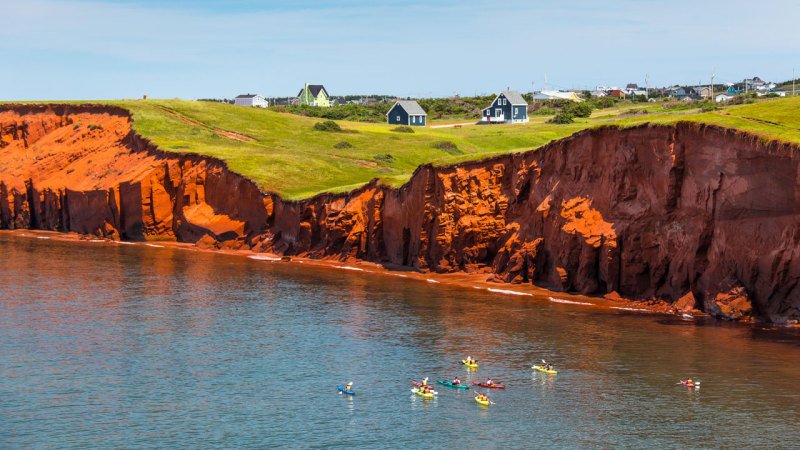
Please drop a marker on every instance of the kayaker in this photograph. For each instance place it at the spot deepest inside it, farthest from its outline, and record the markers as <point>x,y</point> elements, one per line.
<point>349,386</point>
<point>489,382</point>
<point>424,382</point>
<point>469,360</point>
<point>456,381</point>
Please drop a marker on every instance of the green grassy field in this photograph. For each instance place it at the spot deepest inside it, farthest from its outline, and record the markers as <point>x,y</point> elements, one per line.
<point>284,154</point>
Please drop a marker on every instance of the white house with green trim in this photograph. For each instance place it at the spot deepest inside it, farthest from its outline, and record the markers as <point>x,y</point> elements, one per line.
<point>314,95</point>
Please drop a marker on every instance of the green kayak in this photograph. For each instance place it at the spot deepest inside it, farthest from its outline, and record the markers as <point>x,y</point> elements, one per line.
<point>450,383</point>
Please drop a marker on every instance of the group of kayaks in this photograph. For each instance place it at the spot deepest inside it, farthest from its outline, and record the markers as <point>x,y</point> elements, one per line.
<point>424,390</point>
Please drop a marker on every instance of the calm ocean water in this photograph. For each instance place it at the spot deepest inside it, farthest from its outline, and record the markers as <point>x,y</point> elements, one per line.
<point>106,345</point>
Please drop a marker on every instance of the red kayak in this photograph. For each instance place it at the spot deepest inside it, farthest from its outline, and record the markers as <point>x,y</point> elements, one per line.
<point>489,386</point>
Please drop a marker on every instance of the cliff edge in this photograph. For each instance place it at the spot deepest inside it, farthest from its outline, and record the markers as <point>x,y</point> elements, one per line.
<point>698,215</point>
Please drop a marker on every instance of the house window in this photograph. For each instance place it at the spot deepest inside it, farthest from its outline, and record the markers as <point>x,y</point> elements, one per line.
<point>398,118</point>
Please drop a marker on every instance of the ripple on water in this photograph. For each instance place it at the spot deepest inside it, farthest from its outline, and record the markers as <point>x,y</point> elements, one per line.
<point>165,348</point>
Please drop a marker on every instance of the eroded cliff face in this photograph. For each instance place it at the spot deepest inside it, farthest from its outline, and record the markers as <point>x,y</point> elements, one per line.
<point>697,215</point>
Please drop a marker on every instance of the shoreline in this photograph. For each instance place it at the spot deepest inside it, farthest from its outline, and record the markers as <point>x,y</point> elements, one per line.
<point>458,279</point>
<point>608,303</point>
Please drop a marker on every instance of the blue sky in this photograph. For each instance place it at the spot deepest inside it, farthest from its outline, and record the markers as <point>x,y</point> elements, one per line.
<point>104,49</point>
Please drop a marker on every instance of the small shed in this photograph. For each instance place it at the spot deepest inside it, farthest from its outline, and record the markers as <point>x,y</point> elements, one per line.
<point>407,112</point>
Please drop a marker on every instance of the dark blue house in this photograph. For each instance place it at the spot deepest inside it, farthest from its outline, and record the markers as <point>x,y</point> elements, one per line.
<point>507,107</point>
<point>407,112</point>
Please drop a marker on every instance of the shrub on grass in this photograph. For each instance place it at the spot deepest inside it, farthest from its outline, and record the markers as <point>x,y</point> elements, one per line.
<point>447,147</point>
<point>329,126</point>
<point>579,109</point>
<point>403,129</point>
<point>562,118</point>
<point>343,144</point>
<point>544,111</point>
<point>708,107</point>
<point>384,157</point>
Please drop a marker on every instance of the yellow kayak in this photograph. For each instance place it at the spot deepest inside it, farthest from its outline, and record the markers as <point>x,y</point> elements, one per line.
<point>545,370</point>
<point>423,394</point>
<point>472,365</point>
<point>482,402</point>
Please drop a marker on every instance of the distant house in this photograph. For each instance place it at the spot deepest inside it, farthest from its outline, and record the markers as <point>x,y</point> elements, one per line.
<point>507,107</point>
<point>631,87</point>
<point>731,91</point>
<point>557,95</point>
<point>251,100</point>
<point>680,93</point>
<point>771,93</point>
<point>314,95</point>
<point>723,98</point>
<point>407,112</point>
<point>616,93</point>
<point>703,91</point>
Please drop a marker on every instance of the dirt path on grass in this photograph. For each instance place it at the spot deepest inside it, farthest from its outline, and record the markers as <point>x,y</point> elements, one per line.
<point>218,131</point>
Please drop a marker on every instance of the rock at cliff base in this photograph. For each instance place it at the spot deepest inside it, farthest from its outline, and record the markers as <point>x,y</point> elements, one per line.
<point>686,303</point>
<point>208,243</point>
<point>734,304</point>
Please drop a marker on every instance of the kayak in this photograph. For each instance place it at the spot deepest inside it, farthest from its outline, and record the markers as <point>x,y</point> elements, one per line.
<point>344,391</point>
<point>450,383</point>
<point>424,394</point>
<point>482,402</point>
<point>695,385</point>
<point>544,370</point>
<point>472,365</point>
<point>490,386</point>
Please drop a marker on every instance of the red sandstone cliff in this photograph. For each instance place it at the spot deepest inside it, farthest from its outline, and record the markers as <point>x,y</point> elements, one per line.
<point>698,215</point>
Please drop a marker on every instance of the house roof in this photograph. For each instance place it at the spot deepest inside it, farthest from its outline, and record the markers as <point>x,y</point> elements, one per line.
<point>411,107</point>
<point>248,96</point>
<point>514,97</point>
<point>632,86</point>
<point>314,89</point>
<point>553,95</point>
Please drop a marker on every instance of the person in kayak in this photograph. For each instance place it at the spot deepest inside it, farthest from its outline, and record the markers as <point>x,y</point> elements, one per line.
<point>489,382</point>
<point>469,360</point>
<point>483,397</point>
<point>424,382</point>
<point>349,386</point>
<point>549,366</point>
<point>456,381</point>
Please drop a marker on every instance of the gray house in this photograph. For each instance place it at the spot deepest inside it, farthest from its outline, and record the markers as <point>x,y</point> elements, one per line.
<point>507,107</point>
<point>407,112</point>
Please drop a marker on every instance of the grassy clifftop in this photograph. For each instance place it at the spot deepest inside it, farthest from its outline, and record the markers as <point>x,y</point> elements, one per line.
<point>285,154</point>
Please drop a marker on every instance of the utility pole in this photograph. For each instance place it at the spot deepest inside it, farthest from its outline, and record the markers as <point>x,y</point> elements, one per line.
<point>793,78</point>
<point>647,86</point>
<point>711,94</point>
